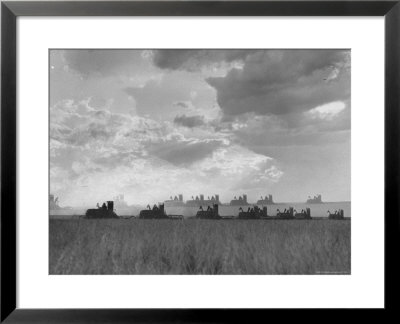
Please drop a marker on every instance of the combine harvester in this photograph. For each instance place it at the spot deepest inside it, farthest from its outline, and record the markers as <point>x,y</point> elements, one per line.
<point>338,214</point>
<point>103,212</point>
<point>210,213</point>
<point>253,213</point>
<point>304,214</point>
<point>286,214</point>
<point>155,213</point>
<point>291,213</point>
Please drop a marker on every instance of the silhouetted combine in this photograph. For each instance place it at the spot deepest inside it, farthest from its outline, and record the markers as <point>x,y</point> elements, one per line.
<point>286,214</point>
<point>304,214</point>
<point>252,213</point>
<point>210,213</point>
<point>338,214</point>
<point>103,212</point>
<point>155,213</point>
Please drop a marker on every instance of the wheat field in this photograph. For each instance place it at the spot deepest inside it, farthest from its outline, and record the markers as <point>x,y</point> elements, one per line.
<point>133,246</point>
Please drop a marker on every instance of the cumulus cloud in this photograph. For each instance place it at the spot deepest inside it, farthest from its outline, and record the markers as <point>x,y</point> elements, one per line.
<point>244,168</point>
<point>278,82</point>
<point>189,121</point>
<point>100,152</point>
<point>79,123</point>
<point>327,111</point>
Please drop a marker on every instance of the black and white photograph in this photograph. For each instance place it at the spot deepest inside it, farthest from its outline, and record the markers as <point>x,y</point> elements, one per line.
<point>200,161</point>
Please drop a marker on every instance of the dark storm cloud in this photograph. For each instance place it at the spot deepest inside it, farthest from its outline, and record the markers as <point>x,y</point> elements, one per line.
<point>189,121</point>
<point>277,82</point>
<point>184,153</point>
<point>102,62</point>
<point>193,60</point>
<point>295,132</point>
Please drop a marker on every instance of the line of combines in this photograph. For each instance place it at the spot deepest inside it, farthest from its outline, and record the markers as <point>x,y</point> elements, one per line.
<point>255,212</point>
<point>199,200</point>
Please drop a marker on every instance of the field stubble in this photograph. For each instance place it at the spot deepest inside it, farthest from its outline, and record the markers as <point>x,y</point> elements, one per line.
<point>127,246</point>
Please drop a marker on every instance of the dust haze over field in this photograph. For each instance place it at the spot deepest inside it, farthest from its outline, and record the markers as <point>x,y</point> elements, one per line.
<point>133,246</point>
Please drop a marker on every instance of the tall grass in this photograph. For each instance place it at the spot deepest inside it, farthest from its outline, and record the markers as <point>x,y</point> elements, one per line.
<point>130,246</point>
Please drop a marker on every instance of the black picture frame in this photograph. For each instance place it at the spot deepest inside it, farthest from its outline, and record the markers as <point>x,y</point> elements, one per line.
<point>10,11</point>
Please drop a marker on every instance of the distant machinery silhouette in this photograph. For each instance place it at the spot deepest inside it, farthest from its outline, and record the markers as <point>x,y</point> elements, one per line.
<point>315,200</point>
<point>242,200</point>
<point>268,200</point>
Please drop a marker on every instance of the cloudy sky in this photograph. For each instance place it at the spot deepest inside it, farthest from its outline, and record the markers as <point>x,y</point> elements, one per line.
<point>155,123</point>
